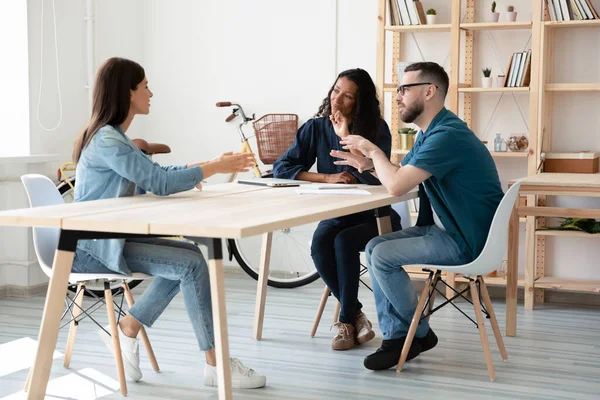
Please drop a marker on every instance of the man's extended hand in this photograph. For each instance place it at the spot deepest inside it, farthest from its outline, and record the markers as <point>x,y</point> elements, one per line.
<point>358,162</point>
<point>356,142</point>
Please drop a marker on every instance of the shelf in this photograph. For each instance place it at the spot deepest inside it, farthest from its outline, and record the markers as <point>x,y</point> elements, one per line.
<point>419,28</point>
<point>496,26</point>
<point>495,154</point>
<point>509,154</point>
<point>390,88</point>
<point>524,89</point>
<point>578,285</point>
<point>572,24</point>
<point>548,232</point>
<point>573,87</point>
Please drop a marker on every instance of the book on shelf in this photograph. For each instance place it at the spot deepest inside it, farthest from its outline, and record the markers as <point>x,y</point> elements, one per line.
<point>569,10</point>
<point>519,70</point>
<point>406,12</point>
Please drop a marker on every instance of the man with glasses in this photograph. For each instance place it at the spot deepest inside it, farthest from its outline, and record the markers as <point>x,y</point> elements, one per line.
<point>459,177</point>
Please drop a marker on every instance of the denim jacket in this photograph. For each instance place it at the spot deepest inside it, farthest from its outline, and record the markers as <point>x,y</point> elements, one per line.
<point>111,166</point>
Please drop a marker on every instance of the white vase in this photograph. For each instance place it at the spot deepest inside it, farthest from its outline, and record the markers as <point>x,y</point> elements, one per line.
<point>499,81</point>
<point>430,19</point>
<point>486,82</point>
<point>494,16</point>
<point>511,16</point>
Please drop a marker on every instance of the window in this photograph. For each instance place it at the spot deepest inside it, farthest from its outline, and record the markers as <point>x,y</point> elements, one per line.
<point>14,79</point>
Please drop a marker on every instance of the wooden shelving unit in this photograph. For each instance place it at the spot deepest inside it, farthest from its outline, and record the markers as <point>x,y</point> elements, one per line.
<point>496,26</point>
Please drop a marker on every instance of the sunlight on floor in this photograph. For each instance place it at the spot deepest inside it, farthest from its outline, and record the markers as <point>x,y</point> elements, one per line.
<point>19,354</point>
<point>85,384</point>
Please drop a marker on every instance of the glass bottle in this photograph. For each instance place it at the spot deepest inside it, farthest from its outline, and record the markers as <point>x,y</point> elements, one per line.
<point>498,143</point>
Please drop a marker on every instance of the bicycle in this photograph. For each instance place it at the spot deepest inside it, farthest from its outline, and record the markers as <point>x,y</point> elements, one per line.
<point>291,264</point>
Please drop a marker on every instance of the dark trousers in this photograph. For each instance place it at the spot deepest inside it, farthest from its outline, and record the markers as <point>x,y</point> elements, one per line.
<point>335,250</point>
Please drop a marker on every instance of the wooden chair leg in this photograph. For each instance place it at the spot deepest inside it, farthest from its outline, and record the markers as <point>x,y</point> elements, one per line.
<point>488,305</point>
<point>482,332</point>
<point>27,381</point>
<point>145,340</point>
<point>322,304</point>
<point>336,312</point>
<point>413,325</point>
<point>114,333</point>
<point>73,327</point>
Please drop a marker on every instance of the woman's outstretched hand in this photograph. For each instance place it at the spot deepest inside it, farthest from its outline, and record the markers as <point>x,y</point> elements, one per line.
<point>235,162</point>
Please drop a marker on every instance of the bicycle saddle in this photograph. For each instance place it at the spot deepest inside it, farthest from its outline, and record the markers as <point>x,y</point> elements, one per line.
<point>151,148</point>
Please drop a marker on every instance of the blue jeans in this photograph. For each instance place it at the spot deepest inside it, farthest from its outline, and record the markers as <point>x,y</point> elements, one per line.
<point>175,266</point>
<point>395,296</point>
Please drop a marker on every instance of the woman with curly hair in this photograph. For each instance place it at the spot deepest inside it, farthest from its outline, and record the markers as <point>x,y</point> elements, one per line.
<point>351,107</point>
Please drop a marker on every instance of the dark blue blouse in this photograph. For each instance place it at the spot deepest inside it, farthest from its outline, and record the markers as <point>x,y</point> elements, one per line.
<point>314,140</point>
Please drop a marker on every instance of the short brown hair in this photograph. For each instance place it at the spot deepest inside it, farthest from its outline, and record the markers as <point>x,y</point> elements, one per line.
<point>432,72</point>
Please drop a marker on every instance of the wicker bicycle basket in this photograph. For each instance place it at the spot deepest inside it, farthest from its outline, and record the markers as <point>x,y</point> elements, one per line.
<point>275,133</point>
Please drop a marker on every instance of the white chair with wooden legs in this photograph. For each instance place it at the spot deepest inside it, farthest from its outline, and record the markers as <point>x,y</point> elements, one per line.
<point>41,191</point>
<point>489,260</point>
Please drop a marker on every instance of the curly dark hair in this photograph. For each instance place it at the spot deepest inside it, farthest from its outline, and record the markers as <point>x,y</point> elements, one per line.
<point>367,115</point>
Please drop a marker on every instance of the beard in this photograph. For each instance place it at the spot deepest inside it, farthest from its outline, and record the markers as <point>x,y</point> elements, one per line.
<point>411,113</point>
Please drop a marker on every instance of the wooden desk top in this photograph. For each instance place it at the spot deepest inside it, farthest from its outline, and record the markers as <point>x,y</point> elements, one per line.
<point>226,211</point>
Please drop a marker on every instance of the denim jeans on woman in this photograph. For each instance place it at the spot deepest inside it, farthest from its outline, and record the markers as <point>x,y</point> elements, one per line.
<point>176,266</point>
<point>395,296</point>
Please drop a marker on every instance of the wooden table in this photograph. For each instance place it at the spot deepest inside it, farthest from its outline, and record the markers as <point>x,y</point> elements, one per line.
<point>220,211</point>
<point>541,185</point>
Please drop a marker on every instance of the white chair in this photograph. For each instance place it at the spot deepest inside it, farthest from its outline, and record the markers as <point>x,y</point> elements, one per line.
<point>489,260</point>
<point>41,191</point>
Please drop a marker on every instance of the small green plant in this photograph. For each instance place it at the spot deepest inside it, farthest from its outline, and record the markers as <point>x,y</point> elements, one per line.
<point>487,72</point>
<point>494,6</point>
<point>431,11</point>
<point>407,131</point>
<point>510,9</point>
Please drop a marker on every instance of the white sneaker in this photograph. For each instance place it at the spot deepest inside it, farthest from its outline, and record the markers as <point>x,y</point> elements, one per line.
<point>130,351</point>
<point>242,377</point>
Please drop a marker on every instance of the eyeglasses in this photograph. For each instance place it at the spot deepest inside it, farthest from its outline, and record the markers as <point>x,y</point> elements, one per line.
<point>402,88</point>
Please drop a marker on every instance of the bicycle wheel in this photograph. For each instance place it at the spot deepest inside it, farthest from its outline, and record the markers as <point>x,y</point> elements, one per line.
<point>291,265</point>
<point>94,286</point>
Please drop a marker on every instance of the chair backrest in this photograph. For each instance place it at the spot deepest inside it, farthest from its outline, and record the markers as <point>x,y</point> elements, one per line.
<point>496,244</point>
<point>41,191</point>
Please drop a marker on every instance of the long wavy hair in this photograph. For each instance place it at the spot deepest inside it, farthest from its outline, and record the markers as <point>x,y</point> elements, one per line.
<point>367,115</point>
<point>111,98</point>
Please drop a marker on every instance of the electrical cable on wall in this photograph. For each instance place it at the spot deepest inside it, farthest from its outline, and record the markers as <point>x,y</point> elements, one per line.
<point>42,69</point>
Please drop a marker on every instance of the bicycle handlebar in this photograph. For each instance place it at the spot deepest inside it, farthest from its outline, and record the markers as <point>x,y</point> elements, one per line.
<point>232,116</point>
<point>224,104</point>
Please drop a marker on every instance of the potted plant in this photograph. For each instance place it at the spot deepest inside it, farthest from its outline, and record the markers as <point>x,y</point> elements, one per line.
<point>407,138</point>
<point>486,81</point>
<point>511,14</point>
<point>494,16</point>
<point>500,80</point>
<point>430,16</point>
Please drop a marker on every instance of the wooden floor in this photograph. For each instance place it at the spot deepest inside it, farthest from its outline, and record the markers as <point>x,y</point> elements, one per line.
<point>555,356</point>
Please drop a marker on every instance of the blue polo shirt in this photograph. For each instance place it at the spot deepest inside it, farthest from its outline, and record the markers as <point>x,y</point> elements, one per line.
<point>464,188</point>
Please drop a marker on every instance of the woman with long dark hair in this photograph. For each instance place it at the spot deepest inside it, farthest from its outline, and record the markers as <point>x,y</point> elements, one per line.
<point>351,107</point>
<point>109,165</point>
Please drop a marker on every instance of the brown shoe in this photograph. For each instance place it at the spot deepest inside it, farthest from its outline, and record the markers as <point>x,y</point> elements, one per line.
<point>344,339</point>
<point>364,331</point>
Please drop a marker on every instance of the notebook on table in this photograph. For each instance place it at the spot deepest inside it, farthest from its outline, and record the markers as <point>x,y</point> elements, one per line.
<point>272,182</point>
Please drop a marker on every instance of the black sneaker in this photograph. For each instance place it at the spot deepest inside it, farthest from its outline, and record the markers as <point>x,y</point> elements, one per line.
<point>388,355</point>
<point>428,341</point>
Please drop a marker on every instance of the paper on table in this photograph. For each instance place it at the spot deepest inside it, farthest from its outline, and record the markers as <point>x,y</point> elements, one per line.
<point>327,186</point>
<point>333,191</point>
